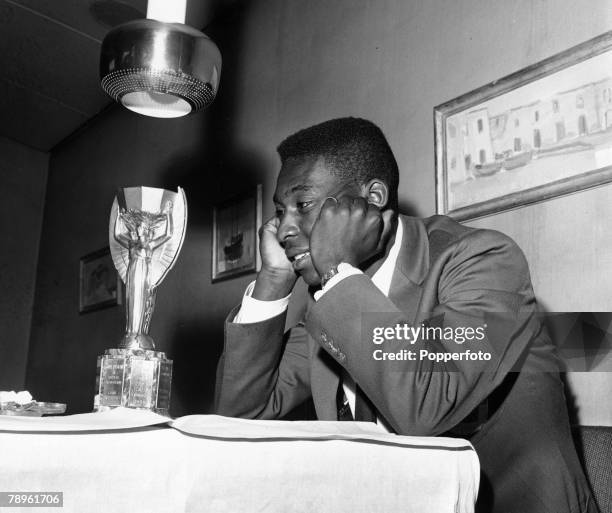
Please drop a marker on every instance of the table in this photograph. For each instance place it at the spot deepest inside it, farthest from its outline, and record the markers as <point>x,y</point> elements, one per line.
<point>132,461</point>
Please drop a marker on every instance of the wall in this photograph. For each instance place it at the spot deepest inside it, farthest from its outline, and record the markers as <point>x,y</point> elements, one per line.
<point>23,175</point>
<point>288,64</point>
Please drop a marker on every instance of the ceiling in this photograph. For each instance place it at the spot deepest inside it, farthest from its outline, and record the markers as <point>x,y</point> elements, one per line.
<point>49,53</point>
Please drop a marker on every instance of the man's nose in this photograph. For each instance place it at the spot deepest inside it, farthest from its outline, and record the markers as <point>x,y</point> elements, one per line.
<point>287,228</point>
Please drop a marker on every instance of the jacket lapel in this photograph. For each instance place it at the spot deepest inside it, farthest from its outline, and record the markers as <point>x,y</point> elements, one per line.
<point>324,380</point>
<point>324,370</point>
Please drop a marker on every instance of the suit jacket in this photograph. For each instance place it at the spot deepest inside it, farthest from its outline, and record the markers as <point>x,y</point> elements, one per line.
<point>446,276</point>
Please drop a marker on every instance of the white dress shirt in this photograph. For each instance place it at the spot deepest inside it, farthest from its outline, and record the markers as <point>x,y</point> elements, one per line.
<point>254,310</point>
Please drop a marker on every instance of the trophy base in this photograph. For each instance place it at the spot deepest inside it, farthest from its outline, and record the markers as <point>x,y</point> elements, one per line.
<point>134,379</point>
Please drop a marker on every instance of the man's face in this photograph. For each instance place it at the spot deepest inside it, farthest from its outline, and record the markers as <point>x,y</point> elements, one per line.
<point>301,189</point>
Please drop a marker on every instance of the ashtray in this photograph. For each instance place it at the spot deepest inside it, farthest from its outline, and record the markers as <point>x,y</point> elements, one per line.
<point>32,409</point>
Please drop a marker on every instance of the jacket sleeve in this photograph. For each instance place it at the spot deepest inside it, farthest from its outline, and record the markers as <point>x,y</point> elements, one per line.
<point>481,280</point>
<point>263,372</point>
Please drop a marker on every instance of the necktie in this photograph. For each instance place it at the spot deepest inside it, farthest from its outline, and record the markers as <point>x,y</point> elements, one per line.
<point>344,410</point>
<point>364,409</point>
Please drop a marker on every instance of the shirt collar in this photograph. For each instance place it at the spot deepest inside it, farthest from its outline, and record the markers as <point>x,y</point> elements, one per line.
<point>382,277</point>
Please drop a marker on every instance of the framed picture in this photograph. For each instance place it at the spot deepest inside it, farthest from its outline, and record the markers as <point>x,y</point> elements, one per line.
<point>538,133</point>
<point>235,247</point>
<point>99,282</point>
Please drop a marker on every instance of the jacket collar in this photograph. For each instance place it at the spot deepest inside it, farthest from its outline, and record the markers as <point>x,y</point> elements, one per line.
<point>411,266</point>
<point>413,258</point>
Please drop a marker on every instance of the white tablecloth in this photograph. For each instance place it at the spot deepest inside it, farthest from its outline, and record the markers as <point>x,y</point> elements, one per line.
<point>130,461</point>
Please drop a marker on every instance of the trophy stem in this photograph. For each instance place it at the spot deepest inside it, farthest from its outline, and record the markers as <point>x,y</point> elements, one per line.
<point>140,295</point>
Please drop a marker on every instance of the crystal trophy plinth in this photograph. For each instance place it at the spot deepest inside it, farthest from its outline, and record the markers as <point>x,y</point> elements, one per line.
<point>146,232</point>
<point>134,379</point>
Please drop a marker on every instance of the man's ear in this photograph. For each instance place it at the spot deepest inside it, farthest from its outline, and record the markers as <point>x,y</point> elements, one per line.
<point>377,193</point>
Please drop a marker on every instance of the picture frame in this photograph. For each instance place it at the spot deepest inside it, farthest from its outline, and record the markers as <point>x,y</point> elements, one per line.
<point>539,133</point>
<point>235,240</point>
<point>99,283</point>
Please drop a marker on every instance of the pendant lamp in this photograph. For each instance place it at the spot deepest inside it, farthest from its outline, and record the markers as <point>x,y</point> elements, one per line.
<point>159,66</point>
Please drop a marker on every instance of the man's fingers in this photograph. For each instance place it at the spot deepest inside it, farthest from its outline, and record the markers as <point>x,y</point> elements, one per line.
<point>271,225</point>
<point>345,202</point>
<point>373,210</point>
<point>329,206</point>
<point>273,222</point>
<point>360,206</point>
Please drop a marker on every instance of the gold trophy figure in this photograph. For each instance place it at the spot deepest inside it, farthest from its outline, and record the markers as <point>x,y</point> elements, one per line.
<point>146,232</point>
<point>137,232</point>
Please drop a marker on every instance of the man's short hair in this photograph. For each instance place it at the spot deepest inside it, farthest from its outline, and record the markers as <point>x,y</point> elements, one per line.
<point>353,148</point>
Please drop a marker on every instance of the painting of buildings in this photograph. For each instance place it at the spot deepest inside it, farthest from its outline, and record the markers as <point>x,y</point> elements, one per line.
<point>539,133</point>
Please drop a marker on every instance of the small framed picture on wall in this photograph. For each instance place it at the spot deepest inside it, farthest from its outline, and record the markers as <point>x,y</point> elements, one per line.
<point>99,282</point>
<point>235,240</point>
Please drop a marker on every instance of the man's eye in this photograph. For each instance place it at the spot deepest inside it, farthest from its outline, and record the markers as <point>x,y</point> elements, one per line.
<point>302,205</point>
<point>279,212</point>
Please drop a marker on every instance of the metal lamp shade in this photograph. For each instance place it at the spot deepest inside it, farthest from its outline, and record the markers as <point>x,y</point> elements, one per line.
<point>158,69</point>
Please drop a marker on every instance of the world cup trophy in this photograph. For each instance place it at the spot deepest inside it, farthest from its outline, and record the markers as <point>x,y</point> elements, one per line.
<point>146,232</point>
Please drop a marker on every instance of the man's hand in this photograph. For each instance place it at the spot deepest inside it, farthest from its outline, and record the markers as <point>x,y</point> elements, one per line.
<point>348,230</point>
<point>277,277</point>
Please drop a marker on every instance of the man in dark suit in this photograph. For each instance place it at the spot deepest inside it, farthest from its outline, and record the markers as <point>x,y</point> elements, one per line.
<point>371,279</point>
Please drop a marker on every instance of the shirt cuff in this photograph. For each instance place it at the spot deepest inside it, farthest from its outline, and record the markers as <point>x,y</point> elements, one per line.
<point>255,310</point>
<point>344,271</point>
